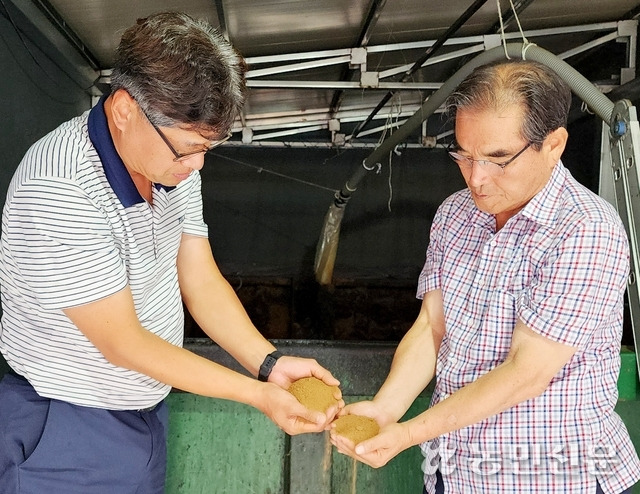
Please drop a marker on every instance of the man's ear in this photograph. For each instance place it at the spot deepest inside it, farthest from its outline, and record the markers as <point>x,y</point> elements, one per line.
<point>555,144</point>
<point>123,109</point>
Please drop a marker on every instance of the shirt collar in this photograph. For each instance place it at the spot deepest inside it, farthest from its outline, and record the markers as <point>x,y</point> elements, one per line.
<point>543,207</point>
<point>114,169</point>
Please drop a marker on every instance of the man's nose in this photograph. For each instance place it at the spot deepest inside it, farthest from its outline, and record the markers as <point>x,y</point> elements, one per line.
<point>195,162</point>
<point>477,173</point>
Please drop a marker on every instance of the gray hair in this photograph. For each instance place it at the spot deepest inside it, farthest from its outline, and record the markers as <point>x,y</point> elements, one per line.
<point>543,96</point>
<point>181,71</point>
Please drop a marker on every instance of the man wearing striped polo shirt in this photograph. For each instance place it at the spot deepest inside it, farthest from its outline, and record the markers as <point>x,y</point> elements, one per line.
<point>103,238</point>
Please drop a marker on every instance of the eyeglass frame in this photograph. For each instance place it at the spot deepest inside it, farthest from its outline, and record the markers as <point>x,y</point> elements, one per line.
<point>183,156</point>
<point>465,160</point>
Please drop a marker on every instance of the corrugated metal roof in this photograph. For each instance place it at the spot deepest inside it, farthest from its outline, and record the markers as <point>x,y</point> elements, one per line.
<point>336,87</point>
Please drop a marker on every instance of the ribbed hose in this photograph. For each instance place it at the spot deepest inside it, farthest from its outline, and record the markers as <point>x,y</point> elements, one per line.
<point>598,102</point>
<point>601,105</point>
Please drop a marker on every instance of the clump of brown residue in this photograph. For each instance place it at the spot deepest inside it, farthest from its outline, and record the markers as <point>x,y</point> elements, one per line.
<point>356,427</point>
<point>314,394</point>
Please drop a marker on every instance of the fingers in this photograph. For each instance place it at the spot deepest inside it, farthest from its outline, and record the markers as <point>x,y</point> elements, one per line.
<point>332,413</point>
<point>369,454</point>
<point>365,408</point>
<point>307,420</point>
<point>304,426</point>
<point>324,375</point>
<point>369,409</point>
<point>298,418</point>
<point>368,446</point>
<point>342,444</point>
<point>318,419</point>
<point>346,447</point>
<point>337,394</point>
<point>302,423</point>
<point>350,409</point>
<point>376,451</point>
<point>289,369</point>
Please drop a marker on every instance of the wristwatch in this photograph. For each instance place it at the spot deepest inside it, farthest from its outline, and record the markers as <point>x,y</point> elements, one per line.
<point>267,366</point>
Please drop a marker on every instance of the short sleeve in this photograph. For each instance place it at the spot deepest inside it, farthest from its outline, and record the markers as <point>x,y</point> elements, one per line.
<point>580,284</point>
<point>429,278</point>
<point>194,220</point>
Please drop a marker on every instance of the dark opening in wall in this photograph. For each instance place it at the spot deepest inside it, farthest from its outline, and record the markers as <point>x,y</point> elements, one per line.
<point>285,309</point>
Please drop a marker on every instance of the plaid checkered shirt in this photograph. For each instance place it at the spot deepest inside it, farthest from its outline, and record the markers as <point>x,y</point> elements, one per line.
<point>560,265</point>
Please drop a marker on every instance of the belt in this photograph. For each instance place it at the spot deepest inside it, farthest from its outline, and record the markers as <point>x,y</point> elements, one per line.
<point>148,409</point>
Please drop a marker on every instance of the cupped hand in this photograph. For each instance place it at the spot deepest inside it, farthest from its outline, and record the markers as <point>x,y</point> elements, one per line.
<point>289,414</point>
<point>380,449</point>
<point>369,409</point>
<point>289,369</point>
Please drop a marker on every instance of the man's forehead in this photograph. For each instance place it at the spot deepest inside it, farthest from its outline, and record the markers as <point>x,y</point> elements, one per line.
<point>201,132</point>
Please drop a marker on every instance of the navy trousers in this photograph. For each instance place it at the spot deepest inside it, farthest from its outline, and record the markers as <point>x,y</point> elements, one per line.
<point>50,446</point>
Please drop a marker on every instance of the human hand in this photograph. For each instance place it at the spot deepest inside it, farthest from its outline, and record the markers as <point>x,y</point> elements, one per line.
<point>288,413</point>
<point>369,409</point>
<point>290,369</point>
<point>380,449</point>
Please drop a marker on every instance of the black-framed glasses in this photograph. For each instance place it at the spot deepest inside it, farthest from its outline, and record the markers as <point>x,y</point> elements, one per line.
<point>489,166</point>
<point>183,156</point>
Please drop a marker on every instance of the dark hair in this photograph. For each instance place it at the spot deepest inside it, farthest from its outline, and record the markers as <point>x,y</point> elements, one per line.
<point>543,96</point>
<point>181,71</point>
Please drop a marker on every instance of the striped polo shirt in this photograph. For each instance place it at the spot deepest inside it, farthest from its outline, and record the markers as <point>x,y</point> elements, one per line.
<point>75,230</point>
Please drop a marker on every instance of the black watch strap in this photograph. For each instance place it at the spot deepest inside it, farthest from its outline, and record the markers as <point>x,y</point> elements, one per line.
<point>267,366</point>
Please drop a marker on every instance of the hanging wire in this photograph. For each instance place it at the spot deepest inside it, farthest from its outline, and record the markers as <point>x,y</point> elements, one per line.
<point>504,41</point>
<point>525,41</point>
<point>260,169</point>
<point>390,183</point>
<point>392,123</point>
<point>515,14</point>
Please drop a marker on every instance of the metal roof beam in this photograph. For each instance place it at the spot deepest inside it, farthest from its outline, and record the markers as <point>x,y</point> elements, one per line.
<point>457,24</point>
<point>222,21</point>
<point>341,85</point>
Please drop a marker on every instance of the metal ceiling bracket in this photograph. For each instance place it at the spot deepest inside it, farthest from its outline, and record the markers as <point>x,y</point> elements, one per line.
<point>628,31</point>
<point>369,79</point>
<point>359,58</point>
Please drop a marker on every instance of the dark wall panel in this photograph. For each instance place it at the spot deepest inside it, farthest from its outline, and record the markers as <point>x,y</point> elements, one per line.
<point>35,95</point>
<point>265,209</point>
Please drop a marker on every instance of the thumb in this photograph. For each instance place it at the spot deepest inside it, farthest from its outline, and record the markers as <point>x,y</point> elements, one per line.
<point>369,446</point>
<point>325,376</point>
<point>312,416</point>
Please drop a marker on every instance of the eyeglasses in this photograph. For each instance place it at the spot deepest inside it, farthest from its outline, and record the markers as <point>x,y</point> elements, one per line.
<point>491,167</point>
<point>184,156</point>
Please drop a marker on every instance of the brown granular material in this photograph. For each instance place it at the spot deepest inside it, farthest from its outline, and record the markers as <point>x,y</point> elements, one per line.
<point>314,393</point>
<point>356,427</point>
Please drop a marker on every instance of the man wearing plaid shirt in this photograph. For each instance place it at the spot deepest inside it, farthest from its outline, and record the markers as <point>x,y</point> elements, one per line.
<point>522,311</point>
